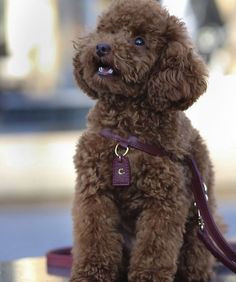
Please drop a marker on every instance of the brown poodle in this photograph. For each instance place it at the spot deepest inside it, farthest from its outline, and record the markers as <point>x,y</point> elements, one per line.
<point>143,70</point>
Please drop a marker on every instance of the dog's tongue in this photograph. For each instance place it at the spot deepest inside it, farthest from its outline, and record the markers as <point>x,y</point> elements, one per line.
<point>105,71</point>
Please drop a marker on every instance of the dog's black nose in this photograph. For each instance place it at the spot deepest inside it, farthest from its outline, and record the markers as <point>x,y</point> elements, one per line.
<point>102,49</point>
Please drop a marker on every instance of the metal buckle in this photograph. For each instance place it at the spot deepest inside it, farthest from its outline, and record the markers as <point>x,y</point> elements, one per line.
<point>201,223</point>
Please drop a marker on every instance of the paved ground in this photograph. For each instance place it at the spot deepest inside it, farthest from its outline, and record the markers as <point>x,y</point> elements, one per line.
<point>31,231</point>
<point>35,270</point>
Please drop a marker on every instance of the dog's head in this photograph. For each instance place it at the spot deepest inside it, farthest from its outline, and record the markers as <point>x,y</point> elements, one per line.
<point>139,51</point>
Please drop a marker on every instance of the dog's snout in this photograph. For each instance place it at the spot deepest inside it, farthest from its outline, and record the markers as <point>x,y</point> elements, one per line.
<point>102,49</point>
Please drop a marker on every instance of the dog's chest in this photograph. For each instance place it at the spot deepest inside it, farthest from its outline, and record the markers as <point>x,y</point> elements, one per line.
<point>150,177</point>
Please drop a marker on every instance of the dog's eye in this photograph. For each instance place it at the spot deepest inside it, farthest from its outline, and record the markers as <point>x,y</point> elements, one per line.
<point>139,41</point>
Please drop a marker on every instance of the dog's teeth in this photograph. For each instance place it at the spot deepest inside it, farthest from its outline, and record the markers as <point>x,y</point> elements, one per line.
<point>105,71</point>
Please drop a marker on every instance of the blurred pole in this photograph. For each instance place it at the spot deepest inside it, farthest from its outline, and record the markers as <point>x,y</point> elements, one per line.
<point>211,31</point>
<point>3,51</point>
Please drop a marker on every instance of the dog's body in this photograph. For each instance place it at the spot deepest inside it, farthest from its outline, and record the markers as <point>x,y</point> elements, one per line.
<point>142,68</point>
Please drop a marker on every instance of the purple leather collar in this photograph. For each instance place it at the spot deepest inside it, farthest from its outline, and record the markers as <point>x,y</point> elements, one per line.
<point>133,142</point>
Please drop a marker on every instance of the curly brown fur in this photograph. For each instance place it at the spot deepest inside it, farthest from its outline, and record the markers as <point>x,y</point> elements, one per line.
<point>145,232</point>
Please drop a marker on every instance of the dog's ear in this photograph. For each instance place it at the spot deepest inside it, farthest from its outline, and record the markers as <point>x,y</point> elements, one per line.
<point>179,75</point>
<point>80,59</point>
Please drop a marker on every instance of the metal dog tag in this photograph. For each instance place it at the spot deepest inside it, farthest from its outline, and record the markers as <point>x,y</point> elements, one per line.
<point>121,171</point>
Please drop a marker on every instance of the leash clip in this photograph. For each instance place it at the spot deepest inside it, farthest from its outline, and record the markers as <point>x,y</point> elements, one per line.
<point>117,151</point>
<point>201,223</point>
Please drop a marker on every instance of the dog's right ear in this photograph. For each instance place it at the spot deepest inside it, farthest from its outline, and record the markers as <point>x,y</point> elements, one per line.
<point>80,75</point>
<point>179,75</point>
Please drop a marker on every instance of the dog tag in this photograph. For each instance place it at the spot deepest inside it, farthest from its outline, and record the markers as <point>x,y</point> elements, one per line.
<point>121,171</point>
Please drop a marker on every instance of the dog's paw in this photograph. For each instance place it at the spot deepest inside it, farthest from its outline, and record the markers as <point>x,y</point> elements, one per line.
<point>201,280</point>
<point>93,273</point>
<point>79,279</point>
<point>90,278</point>
<point>207,278</point>
<point>148,276</point>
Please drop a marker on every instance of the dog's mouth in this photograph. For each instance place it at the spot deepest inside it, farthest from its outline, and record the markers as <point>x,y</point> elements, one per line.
<point>106,70</point>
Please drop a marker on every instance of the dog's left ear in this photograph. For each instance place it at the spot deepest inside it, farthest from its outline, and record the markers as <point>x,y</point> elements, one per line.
<point>179,76</point>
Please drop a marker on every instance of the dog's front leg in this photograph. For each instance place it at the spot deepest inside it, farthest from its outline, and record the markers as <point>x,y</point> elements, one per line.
<point>97,251</point>
<point>159,236</point>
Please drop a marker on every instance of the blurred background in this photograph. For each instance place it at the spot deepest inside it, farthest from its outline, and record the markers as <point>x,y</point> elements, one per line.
<point>42,112</point>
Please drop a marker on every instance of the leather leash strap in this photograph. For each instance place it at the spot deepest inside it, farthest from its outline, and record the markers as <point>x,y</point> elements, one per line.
<point>208,231</point>
<point>61,258</point>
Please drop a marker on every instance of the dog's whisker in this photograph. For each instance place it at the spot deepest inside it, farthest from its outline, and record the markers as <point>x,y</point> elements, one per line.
<point>119,57</point>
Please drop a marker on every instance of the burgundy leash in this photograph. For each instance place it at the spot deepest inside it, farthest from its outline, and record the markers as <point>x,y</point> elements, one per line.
<point>61,258</point>
<point>208,231</point>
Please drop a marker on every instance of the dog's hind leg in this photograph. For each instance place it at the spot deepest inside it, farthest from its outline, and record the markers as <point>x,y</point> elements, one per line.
<point>195,261</point>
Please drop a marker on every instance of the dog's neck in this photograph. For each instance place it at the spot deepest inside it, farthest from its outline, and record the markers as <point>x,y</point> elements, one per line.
<point>136,119</point>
